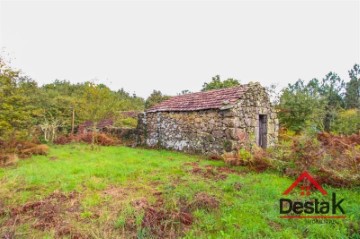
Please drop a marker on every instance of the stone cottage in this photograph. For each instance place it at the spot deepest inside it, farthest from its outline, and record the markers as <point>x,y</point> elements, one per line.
<point>211,122</point>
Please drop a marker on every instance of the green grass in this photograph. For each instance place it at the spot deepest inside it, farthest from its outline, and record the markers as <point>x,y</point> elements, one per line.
<point>249,201</point>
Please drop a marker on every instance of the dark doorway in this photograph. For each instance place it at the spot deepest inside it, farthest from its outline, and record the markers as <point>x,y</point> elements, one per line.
<point>263,131</point>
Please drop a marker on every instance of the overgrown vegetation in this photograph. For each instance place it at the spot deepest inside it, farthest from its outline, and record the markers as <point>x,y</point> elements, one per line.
<point>118,192</point>
<point>334,159</point>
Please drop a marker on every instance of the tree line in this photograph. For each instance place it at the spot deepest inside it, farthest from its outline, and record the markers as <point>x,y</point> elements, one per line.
<point>327,104</point>
<point>60,105</point>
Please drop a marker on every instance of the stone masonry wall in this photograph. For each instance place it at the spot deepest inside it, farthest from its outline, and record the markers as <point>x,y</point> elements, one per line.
<point>197,131</point>
<point>211,131</point>
<point>242,124</point>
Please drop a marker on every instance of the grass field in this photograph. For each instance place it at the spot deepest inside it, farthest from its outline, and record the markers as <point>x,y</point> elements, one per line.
<point>120,192</point>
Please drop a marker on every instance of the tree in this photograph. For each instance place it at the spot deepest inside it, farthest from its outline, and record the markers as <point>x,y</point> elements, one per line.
<point>300,106</point>
<point>15,103</point>
<point>352,93</point>
<point>155,98</point>
<point>59,104</point>
<point>347,122</point>
<point>97,103</point>
<point>313,105</point>
<point>331,90</point>
<point>216,83</point>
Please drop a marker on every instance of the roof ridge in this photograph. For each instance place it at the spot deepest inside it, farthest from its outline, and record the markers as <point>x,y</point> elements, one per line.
<point>213,90</point>
<point>212,99</point>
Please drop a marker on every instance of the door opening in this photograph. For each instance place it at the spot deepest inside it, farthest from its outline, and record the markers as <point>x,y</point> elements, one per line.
<point>263,131</point>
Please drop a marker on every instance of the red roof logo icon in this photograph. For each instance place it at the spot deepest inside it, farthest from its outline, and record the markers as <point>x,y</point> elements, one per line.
<point>305,175</point>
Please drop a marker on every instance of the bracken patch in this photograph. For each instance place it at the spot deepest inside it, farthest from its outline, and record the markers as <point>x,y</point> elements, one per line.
<point>161,222</point>
<point>46,214</point>
<point>204,201</point>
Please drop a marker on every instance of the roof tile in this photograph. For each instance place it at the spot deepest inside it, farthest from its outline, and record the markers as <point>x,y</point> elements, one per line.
<point>214,99</point>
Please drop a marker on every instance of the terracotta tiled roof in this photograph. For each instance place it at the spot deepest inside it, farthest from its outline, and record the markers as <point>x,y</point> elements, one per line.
<point>214,99</point>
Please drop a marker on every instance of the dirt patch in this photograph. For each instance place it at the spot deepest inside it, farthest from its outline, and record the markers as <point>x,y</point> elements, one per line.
<point>48,214</point>
<point>115,192</point>
<point>204,201</point>
<point>276,226</point>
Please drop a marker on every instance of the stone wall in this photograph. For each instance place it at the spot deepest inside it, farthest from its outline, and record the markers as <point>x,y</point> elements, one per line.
<point>242,123</point>
<point>197,131</point>
<point>127,135</point>
<point>210,131</point>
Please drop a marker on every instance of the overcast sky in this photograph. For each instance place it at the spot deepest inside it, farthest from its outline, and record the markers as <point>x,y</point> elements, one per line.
<point>172,46</point>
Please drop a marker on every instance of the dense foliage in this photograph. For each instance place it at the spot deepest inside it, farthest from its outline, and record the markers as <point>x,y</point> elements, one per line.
<point>26,107</point>
<point>322,105</point>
